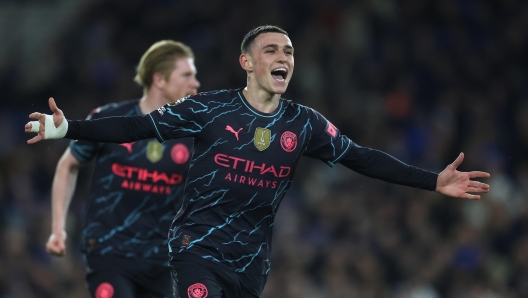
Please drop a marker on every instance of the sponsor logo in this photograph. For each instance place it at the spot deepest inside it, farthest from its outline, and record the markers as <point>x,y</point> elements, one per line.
<point>186,240</point>
<point>180,154</point>
<point>288,141</point>
<point>162,110</point>
<point>262,138</point>
<point>128,146</point>
<point>250,166</point>
<point>154,151</point>
<point>331,129</point>
<point>229,128</point>
<point>140,179</point>
<point>197,290</point>
<point>251,181</point>
<point>104,290</point>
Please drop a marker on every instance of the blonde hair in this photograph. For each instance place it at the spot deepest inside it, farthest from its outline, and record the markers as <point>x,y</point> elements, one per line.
<point>160,57</point>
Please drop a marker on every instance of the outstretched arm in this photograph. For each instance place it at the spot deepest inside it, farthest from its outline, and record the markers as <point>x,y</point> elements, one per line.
<point>111,129</point>
<point>459,184</point>
<point>380,165</point>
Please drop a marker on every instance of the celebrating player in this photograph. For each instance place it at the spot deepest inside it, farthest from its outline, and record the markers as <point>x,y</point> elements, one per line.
<point>247,145</point>
<point>136,188</point>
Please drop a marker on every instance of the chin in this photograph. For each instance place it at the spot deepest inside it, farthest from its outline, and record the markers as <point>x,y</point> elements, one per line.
<point>280,90</point>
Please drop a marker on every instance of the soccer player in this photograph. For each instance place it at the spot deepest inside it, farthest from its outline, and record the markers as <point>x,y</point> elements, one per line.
<point>248,143</point>
<point>136,189</point>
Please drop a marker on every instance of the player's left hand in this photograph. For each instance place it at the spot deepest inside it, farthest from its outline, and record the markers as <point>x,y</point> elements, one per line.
<point>457,184</point>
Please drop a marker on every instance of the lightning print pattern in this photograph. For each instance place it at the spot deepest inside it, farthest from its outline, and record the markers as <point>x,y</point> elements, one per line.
<point>243,164</point>
<point>135,194</point>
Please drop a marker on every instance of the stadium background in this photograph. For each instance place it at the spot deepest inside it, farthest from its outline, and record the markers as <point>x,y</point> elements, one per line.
<point>420,79</point>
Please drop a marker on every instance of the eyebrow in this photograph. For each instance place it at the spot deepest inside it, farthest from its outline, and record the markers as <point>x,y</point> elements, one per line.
<point>276,46</point>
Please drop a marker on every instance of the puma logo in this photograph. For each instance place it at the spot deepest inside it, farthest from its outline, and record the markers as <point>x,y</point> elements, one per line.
<point>128,146</point>
<point>229,128</point>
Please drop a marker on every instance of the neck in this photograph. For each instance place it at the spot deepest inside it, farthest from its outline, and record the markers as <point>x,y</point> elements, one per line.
<point>150,102</point>
<point>261,100</point>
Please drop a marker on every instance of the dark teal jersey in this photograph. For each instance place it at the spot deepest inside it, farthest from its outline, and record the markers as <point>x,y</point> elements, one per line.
<point>135,193</point>
<point>242,166</point>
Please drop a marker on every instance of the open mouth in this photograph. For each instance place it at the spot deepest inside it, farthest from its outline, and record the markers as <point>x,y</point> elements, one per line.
<point>279,74</point>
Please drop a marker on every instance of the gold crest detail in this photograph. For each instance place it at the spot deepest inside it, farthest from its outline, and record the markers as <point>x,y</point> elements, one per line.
<point>262,138</point>
<point>154,151</point>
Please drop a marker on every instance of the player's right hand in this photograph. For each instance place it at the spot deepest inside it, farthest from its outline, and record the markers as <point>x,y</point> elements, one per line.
<point>39,126</point>
<point>56,245</point>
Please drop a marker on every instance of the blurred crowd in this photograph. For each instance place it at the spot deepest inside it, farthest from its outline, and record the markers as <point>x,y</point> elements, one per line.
<point>420,79</point>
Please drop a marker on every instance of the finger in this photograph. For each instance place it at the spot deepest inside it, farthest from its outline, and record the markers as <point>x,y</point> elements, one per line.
<point>478,174</point>
<point>459,160</point>
<point>34,126</point>
<point>53,105</point>
<point>470,196</point>
<point>36,115</point>
<point>478,184</point>
<point>56,251</point>
<point>477,190</point>
<point>34,140</point>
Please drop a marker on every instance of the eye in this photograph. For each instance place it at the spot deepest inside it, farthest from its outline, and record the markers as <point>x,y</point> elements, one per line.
<point>270,51</point>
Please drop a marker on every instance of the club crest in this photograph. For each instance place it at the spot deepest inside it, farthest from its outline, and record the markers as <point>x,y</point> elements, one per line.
<point>197,290</point>
<point>154,151</point>
<point>288,141</point>
<point>262,138</point>
<point>180,154</point>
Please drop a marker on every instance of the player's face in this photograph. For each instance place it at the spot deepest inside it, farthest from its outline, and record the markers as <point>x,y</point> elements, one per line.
<point>272,61</point>
<point>182,80</point>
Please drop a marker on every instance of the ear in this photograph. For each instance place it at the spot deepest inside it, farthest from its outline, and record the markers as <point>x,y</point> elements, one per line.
<point>158,80</point>
<point>246,62</point>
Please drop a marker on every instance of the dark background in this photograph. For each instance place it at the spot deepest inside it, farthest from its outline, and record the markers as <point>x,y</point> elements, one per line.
<point>420,79</point>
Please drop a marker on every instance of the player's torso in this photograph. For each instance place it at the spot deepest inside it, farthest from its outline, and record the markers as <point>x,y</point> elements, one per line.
<point>243,164</point>
<point>253,154</point>
<point>135,194</point>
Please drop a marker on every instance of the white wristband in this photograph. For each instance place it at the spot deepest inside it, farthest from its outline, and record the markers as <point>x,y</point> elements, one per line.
<point>50,131</point>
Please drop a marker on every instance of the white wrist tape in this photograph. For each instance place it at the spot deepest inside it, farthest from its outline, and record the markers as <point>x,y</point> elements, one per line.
<point>50,131</point>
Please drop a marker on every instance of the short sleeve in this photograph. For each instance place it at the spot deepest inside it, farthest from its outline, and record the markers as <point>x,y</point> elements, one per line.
<point>326,142</point>
<point>179,119</point>
<point>85,151</point>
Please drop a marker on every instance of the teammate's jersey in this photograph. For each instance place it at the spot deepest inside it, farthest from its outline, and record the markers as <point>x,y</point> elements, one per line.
<point>243,164</point>
<point>136,191</point>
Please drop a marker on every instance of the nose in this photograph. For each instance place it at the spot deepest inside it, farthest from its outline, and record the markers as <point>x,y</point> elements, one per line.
<point>282,57</point>
<point>195,83</point>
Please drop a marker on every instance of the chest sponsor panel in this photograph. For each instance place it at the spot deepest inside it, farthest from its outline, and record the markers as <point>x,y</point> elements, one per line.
<point>145,180</point>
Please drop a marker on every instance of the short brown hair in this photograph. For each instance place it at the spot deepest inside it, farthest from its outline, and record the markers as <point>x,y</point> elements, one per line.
<point>160,57</point>
<point>245,47</point>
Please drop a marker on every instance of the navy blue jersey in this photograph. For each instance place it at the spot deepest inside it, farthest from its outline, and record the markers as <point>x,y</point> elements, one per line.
<point>242,166</point>
<point>136,191</point>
